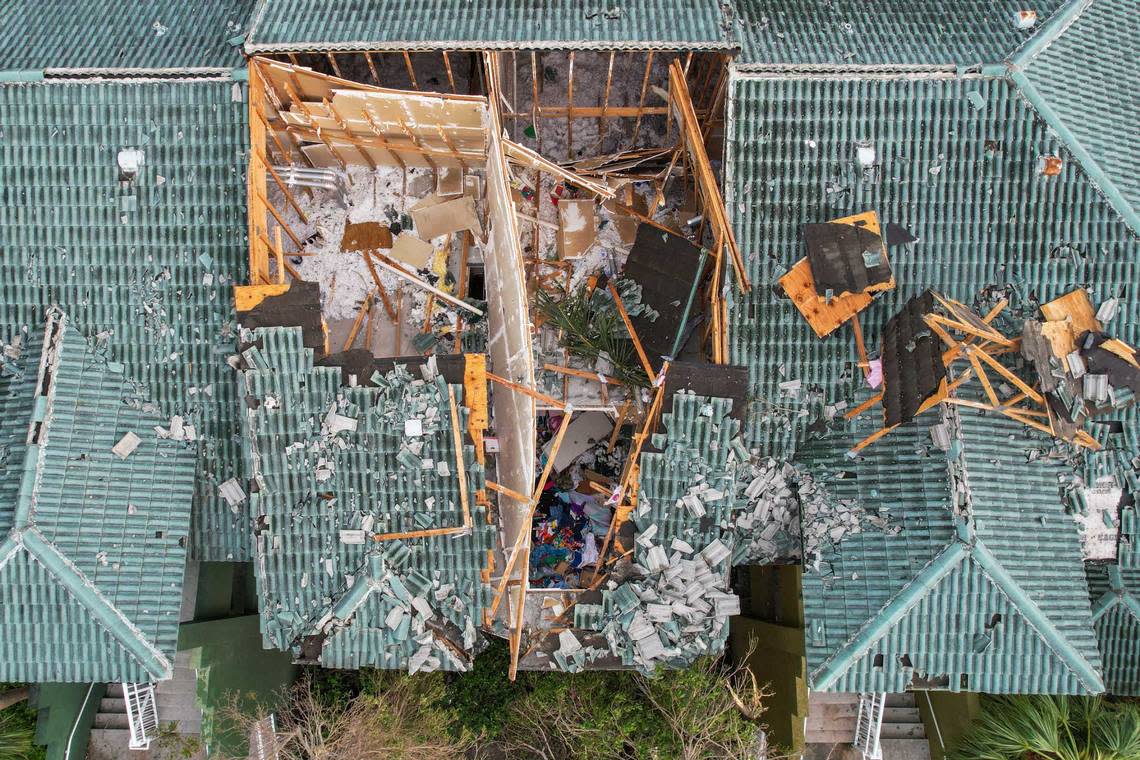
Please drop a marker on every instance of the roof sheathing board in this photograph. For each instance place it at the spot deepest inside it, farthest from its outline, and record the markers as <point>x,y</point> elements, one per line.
<point>982,217</point>
<point>301,25</point>
<point>885,35</point>
<point>149,270</point>
<point>176,37</point>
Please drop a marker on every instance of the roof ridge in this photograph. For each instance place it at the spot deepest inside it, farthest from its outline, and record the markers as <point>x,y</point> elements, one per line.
<point>1056,641</point>
<point>1116,595</point>
<point>1055,26</point>
<point>877,625</point>
<point>84,591</point>
<point>1092,170</point>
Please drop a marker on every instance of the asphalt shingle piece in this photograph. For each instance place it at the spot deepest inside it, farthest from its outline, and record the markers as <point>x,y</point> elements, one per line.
<point>91,569</point>
<point>147,268</point>
<point>162,35</point>
<point>432,24</point>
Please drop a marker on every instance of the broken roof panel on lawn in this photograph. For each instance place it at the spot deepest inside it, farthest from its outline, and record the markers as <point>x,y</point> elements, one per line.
<point>91,570</point>
<point>1115,595</point>
<point>960,578</point>
<point>1064,73</point>
<point>887,34</point>
<point>956,167</point>
<point>452,24</point>
<point>334,468</point>
<point>159,35</point>
<point>146,268</point>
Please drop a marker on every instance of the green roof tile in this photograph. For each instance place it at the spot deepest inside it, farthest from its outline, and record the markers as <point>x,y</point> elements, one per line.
<point>886,33</point>
<point>115,36</point>
<point>1065,80</point>
<point>956,166</point>
<point>1115,594</point>
<point>973,583</point>
<point>327,599</point>
<point>147,270</point>
<point>431,24</point>
<point>91,573</point>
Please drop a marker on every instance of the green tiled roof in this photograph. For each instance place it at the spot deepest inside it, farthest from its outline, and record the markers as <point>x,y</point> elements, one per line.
<point>430,24</point>
<point>322,597</point>
<point>91,570</point>
<point>1066,76</point>
<point>886,33</point>
<point>148,269</point>
<point>976,582</point>
<point>169,35</point>
<point>1115,595</point>
<point>956,166</point>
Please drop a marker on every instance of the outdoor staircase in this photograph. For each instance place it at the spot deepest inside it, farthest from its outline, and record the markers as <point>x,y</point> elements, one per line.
<point>831,728</point>
<point>176,700</point>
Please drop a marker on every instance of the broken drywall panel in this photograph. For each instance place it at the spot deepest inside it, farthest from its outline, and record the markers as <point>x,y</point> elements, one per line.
<point>438,219</point>
<point>1099,521</point>
<point>577,227</point>
<point>409,249</point>
<point>585,430</point>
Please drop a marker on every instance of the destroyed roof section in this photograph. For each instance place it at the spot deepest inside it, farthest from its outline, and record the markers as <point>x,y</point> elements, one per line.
<point>1021,517</point>
<point>306,573</point>
<point>888,34</point>
<point>94,589</point>
<point>861,567</point>
<point>979,219</point>
<point>154,273</point>
<point>1115,596</point>
<point>162,35</point>
<point>451,24</point>
<point>18,377</point>
<point>687,487</point>
<point>1066,79</point>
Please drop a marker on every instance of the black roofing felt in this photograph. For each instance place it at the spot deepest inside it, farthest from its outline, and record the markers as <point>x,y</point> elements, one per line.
<point>912,361</point>
<point>299,306</point>
<point>714,380</point>
<point>361,363</point>
<point>835,253</point>
<point>665,266</point>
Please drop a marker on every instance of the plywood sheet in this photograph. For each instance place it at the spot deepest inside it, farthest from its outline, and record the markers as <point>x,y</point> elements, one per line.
<point>409,249</point>
<point>449,216</point>
<point>1075,305</point>
<point>823,316</point>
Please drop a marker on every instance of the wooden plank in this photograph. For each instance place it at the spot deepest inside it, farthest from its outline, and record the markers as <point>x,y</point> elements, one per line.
<point>1008,375</point>
<point>823,316</point>
<point>632,333</point>
<point>1075,306</point>
<point>399,271</point>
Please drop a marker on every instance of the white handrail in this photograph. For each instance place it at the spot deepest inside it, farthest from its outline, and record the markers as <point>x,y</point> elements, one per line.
<point>142,714</point>
<point>869,724</point>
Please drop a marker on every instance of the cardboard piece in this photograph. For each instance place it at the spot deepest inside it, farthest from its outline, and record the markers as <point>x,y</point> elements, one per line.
<point>449,182</point>
<point>438,219</point>
<point>409,249</point>
<point>586,429</point>
<point>365,236</point>
<point>577,227</point>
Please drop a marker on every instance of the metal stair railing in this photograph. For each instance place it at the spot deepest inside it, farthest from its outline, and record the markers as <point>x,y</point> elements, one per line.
<point>869,724</point>
<point>142,714</point>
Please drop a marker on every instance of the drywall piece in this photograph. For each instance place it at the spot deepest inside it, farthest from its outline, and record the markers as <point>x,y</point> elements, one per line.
<point>126,445</point>
<point>509,344</point>
<point>585,430</point>
<point>577,227</point>
<point>409,249</point>
<point>449,182</point>
<point>365,236</point>
<point>232,492</point>
<point>438,219</point>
